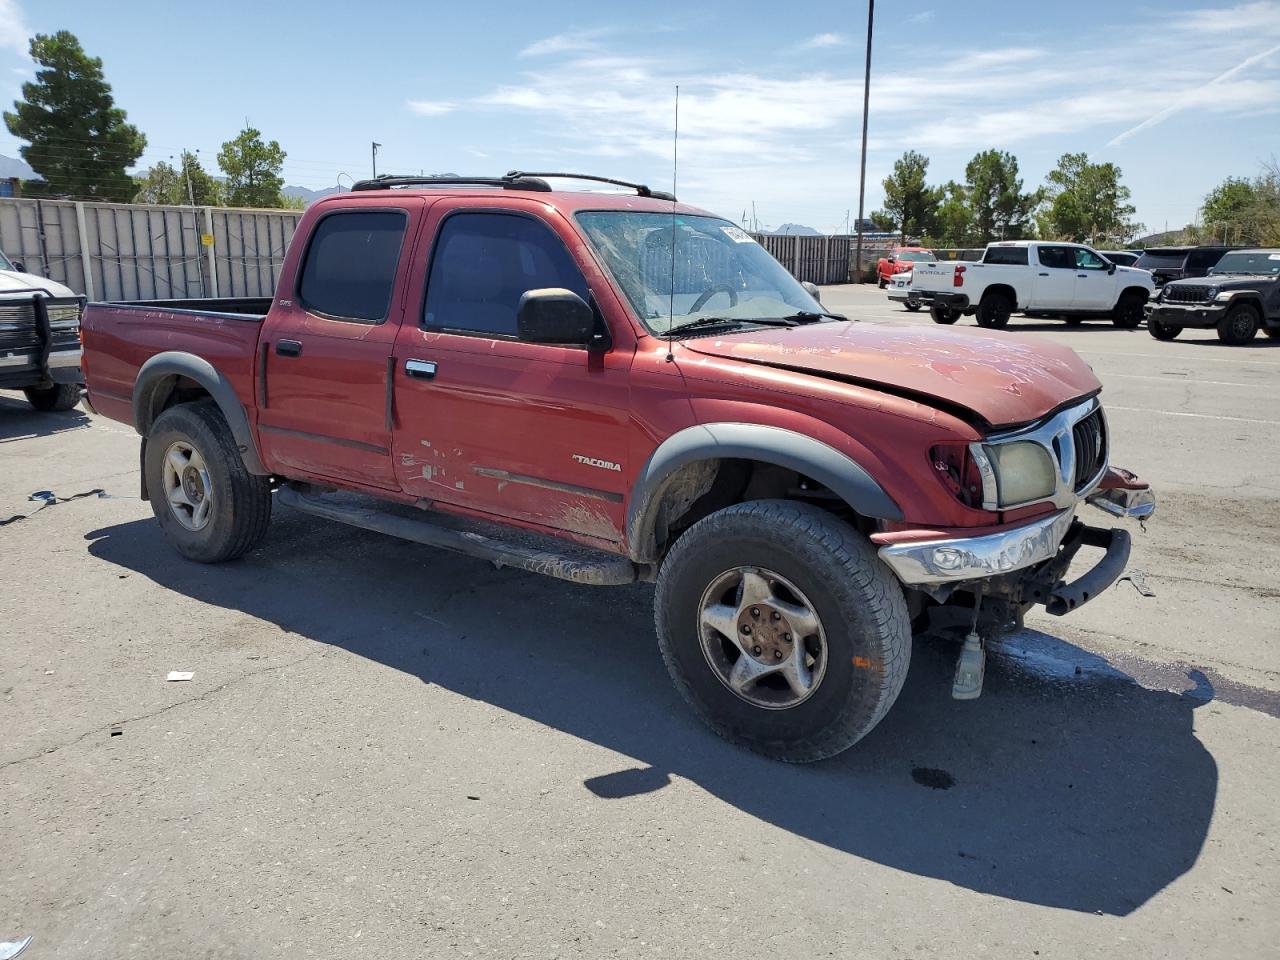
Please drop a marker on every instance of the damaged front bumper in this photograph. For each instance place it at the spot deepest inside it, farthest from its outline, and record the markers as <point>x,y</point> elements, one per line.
<point>1026,563</point>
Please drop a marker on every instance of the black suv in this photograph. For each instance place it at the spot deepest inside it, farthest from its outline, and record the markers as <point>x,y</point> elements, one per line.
<point>1240,295</point>
<point>1177,263</point>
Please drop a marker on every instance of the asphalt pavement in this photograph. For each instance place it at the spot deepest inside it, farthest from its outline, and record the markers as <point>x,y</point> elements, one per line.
<point>391,752</point>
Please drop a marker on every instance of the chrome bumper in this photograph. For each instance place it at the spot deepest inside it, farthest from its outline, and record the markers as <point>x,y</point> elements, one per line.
<point>31,358</point>
<point>1122,502</point>
<point>59,359</point>
<point>935,562</point>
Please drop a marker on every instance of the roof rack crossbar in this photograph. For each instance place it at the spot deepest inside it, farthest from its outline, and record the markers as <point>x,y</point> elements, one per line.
<point>639,188</point>
<point>387,180</point>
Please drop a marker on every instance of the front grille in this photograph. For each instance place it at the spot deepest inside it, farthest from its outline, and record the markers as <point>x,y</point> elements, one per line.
<point>1188,293</point>
<point>18,324</point>
<point>1090,439</point>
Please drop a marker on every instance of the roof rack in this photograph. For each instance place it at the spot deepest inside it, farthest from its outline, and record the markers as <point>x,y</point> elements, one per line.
<point>639,188</point>
<point>518,182</point>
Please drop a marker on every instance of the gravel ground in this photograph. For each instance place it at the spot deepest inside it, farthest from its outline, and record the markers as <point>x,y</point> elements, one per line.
<point>390,752</point>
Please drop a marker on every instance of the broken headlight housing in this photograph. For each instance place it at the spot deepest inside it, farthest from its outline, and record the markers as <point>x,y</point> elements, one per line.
<point>1021,471</point>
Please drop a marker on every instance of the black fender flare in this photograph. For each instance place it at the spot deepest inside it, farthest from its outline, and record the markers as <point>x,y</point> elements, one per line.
<point>748,441</point>
<point>175,363</point>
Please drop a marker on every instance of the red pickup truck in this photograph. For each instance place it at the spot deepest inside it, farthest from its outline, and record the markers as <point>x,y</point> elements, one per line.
<point>611,387</point>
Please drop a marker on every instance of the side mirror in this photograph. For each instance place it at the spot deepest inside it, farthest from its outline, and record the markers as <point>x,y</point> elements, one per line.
<point>555,315</point>
<point>812,290</point>
<point>19,266</point>
<point>1111,267</point>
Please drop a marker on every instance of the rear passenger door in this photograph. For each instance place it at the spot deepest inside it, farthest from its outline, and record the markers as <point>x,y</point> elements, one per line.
<point>1055,278</point>
<point>323,390</point>
<point>487,423</point>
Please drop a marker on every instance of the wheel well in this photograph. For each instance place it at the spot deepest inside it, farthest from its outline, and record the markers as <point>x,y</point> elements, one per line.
<point>169,391</point>
<point>1003,290</point>
<point>1140,291</point>
<point>698,489</point>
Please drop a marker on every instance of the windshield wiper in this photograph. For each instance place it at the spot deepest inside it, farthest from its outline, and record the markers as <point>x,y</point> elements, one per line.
<point>720,321</point>
<point>809,316</point>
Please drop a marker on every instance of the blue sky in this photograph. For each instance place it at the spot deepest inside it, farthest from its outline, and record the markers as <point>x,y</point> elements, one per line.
<point>1178,94</point>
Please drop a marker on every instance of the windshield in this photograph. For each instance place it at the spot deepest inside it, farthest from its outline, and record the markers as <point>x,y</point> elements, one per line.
<point>917,256</point>
<point>1155,261</point>
<point>1264,263</point>
<point>5,262</point>
<point>719,270</point>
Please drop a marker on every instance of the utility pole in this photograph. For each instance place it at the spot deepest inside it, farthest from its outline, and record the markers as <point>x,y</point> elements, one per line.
<point>375,159</point>
<point>862,176</point>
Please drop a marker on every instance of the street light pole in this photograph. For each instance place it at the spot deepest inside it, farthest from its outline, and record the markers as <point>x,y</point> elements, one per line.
<point>375,159</point>
<point>862,176</point>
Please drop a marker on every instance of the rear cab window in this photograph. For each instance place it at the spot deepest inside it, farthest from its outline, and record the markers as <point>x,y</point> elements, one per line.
<point>1011,255</point>
<point>1057,258</point>
<point>350,265</point>
<point>1161,259</point>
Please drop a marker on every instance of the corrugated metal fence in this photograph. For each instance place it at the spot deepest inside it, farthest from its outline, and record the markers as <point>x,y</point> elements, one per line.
<point>823,259</point>
<point>122,251</point>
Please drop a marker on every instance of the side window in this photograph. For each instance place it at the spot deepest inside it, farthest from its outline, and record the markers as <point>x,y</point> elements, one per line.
<point>1088,260</point>
<point>1013,255</point>
<point>1057,258</point>
<point>484,263</point>
<point>350,265</point>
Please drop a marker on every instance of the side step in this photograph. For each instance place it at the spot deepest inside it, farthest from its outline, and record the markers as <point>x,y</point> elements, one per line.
<point>506,548</point>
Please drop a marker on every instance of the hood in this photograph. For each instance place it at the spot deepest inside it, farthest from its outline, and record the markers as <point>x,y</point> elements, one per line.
<point>1229,281</point>
<point>1135,273</point>
<point>12,280</point>
<point>1005,379</point>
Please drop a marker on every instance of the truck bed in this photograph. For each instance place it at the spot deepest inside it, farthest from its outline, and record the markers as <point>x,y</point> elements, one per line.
<point>254,308</point>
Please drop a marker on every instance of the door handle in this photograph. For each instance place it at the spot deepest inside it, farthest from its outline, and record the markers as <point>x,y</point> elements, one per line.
<point>288,348</point>
<point>1044,274</point>
<point>1082,276</point>
<point>421,369</point>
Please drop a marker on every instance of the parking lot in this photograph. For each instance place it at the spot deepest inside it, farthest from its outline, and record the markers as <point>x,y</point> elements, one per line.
<point>391,752</point>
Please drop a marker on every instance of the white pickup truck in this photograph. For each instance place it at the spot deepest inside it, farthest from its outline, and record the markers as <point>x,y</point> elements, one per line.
<point>39,338</point>
<point>1036,278</point>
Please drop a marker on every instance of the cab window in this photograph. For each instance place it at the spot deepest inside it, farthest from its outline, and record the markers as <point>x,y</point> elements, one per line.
<point>1057,258</point>
<point>1088,260</point>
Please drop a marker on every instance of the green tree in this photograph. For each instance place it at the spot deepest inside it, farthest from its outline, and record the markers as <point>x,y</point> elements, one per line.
<point>993,189</point>
<point>79,142</point>
<point>161,183</point>
<point>1086,202</point>
<point>253,170</point>
<point>1244,211</point>
<point>186,184</point>
<point>953,224</point>
<point>908,199</point>
<point>198,184</point>
<point>883,220</point>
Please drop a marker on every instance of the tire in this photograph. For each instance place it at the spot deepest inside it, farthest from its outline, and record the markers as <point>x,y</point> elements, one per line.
<point>1272,332</point>
<point>994,311</point>
<point>60,396</point>
<point>881,282</point>
<point>1240,325</point>
<point>1162,331</point>
<point>947,315</point>
<point>813,561</point>
<point>237,504</point>
<point>1128,311</point>
<point>1071,321</point>
<point>912,305</point>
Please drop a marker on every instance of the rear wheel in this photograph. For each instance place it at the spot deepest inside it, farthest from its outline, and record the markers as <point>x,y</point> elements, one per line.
<point>881,282</point>
<point>943,314</point>
<point>1240,325</point>
<point>60,396</point>
<point>209,506</point>
<point>782,628</point>
<point>1128,311</point>
<point>994,310</point>
<point>1072,321</point>
<point>912,305</point>
<point>1162,331</point>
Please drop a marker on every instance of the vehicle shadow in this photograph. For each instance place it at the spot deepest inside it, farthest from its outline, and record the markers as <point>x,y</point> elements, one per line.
<point>1087,794</point>
<point>19,421</point>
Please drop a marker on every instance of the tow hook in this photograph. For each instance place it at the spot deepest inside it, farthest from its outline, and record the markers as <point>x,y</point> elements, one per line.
<point>971,666</point>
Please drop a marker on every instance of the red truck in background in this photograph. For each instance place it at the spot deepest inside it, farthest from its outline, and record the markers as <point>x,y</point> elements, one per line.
<point>611,387</point>
<point>900,260</point>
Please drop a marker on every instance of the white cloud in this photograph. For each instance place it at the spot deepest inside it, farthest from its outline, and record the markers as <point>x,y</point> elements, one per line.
<point>922,16</point>
<point>824,40</point>
<point>14,33</point>
<point>571,42</point>
<point>430,108</point>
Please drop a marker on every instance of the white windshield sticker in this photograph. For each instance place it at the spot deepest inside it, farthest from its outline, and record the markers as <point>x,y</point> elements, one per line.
<point>737,235</point>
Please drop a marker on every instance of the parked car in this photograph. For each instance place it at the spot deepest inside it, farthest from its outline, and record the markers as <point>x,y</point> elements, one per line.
<point>1239,297</point>
<point>1036,278</point>
<point>901,260</point>
<point>39,338</point>
<point>1175,263</point>
<point>900,291</point>
<point>521,366</point>
<point>1121,258</point>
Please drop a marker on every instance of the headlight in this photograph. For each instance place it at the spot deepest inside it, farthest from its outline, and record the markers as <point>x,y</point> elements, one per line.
<point>1211,293</point>
<point>1024,472</point>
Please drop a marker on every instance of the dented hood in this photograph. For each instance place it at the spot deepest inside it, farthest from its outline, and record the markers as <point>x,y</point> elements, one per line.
<point>1005,379</point>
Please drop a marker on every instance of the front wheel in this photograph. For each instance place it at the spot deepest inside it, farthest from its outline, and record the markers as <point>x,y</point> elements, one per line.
<point>209,506</point>
<point>782,628</point>
<point>1162,331</point>
<point>1128,312</point>
<point>1239,326</point>
<point>60,396</point>
<point>941,314</point>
